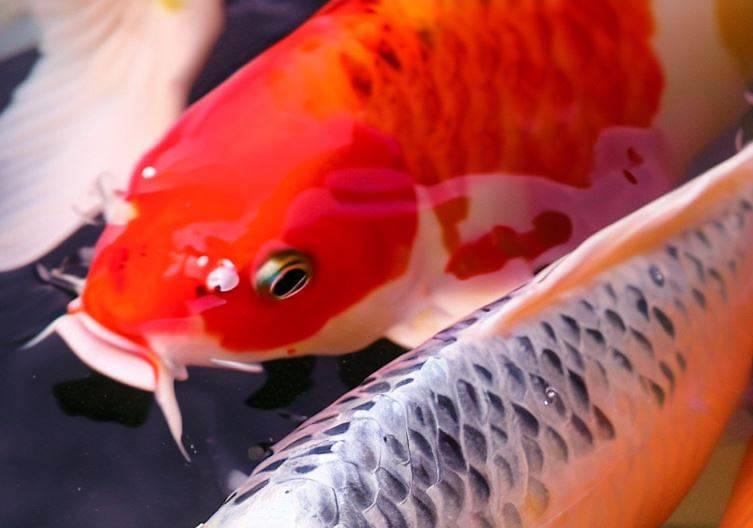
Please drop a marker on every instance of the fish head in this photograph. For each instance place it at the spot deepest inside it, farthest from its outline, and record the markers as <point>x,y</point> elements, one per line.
<point>256,251</point>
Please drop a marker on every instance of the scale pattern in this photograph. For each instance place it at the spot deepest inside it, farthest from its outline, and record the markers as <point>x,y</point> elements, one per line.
<point>486,432</point>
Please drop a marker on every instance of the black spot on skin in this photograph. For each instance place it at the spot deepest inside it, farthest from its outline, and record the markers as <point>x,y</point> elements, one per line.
<point>319,450</point>
<point>672,252</point>
<point>483,372</point>
<point>468,398</point>
<point>451,452</point>
<point>392,516</point>
<point>528,422</point>
<point>387,53</point>
<point>403,383</point>
<point>615,320</point>
<point>579,389</point>
<point>596,336</point>
<point>714,274</point>
<point>445,407</point>
<point>640,301</point>
<point>364,406</point>
<point>248,494</point>
<point>701,235</point>
<point>496,403</point>
<point>419,442</point>
<point>426,511</point>
<point>581,430</point>
<point>572,326</point>
<point>516,380</point>
<point>377,388</point>
<point>271,467</point>
<point>525,347</point>
<point>475,444</point>
<point>549,331</point>
<point>499,434</point>
<point>610,291</point>
<point>338,429</point>
<point>697,265</point>
<point>604,427</point>
<point>700,298</point>
<point>681,361</point>
<point>302,470</point>
<point>392,486</point>
<point>664,321</point>
<point>551,359</point>
<point>479,486</point>
<point>622,360</point>
<point>668,374</point>
<point>575,356</point>
<point>558,445</point>
<point>643,341</point>
<point>654,389</point>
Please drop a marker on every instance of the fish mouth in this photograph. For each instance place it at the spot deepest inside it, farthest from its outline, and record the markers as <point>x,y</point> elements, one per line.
<point>123,360</point>
<point>109,353</point>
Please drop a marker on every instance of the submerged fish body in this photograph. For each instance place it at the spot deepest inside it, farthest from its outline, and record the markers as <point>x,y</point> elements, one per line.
<point>389,166</point>
<point>591,397</point>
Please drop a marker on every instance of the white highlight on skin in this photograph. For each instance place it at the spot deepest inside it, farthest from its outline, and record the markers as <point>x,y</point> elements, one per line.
<point>149,172</point>
<point>202,261</point>
<point>224,277</point>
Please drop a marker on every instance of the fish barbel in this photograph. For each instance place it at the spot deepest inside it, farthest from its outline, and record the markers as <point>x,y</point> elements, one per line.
<point>591,397</point>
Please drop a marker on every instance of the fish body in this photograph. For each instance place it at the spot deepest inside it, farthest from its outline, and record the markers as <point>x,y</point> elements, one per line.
<point>590,397</point>
<point>389,166</point>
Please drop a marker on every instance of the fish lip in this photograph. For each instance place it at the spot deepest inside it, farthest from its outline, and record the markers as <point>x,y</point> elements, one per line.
<point>108,352</point>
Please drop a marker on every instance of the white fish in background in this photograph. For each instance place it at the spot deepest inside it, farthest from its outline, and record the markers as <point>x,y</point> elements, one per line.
<point>112,76</point>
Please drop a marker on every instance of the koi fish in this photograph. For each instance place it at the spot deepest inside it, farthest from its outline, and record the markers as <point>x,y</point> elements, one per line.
<point>110,80</point>
<point>590,397</point>
<point>391,165</point>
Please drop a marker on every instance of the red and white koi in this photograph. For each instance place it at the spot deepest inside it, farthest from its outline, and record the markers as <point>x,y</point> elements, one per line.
<point>392,164</point>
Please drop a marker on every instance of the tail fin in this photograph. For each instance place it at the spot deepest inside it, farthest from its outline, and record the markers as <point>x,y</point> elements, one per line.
<point>112,76</point>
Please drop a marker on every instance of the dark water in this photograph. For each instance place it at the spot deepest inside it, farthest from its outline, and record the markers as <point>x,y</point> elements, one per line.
<point>79,450</point>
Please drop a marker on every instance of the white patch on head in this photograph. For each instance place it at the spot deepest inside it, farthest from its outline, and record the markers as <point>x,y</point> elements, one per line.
<point>224,277</point>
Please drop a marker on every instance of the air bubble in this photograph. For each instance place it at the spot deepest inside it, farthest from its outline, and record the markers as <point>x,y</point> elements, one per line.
<point>656,275</point>
<point>149,172</point>
<point>223,278</point>
<point>550,396</point>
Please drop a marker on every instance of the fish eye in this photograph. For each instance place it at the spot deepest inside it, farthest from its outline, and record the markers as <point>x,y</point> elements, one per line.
<point>283,275</point>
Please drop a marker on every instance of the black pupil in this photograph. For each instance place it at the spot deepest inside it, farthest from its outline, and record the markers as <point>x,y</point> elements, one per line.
<point>290,282</point>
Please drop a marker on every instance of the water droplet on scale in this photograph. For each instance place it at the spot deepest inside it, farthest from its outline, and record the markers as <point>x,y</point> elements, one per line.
<point>550,396</point>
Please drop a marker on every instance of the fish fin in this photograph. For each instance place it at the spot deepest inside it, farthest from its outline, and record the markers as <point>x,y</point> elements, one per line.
<point>421,326</point>
<point>542,220</point>
<point>739,510</point>
<point>102,353</point>
<point>112,76</point>
<point>165,396</point>
<point>252,368</point>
